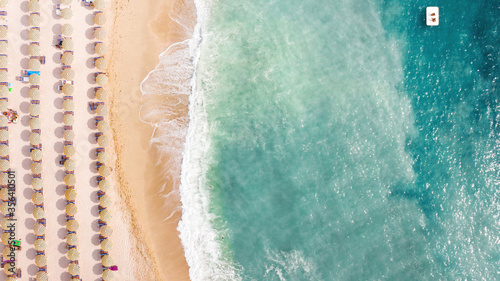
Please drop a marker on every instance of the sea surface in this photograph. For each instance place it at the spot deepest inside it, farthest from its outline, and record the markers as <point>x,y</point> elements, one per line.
<point>340,140</point>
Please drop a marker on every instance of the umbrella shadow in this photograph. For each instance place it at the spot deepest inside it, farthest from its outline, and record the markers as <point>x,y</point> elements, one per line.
<point>27,178</point>
<point>23,107</point>
<point>60,175</point>
<point>63,261</point>
<point>89,19</point>
<point>57,72</point>
<point>97,269</point>
<point>61,189</point>
<point>55,87</point>
<point>56,29</point>
<point>25,150</point>
<point>24,34</point>
<point>91,95</point>
<point>24,63</point>
<point>26,164</point>
<point>61,219</point>
<point>90,49</point>
<point>27,193</point>
<point>93,181</point>
<point>30,238</point>
<point>24,6</point>
<point>32,270</point>
<point>92,139</point>
<point>62,233</point>
<point>91,78</point>
<point>91,124</point>
<point>57,58</point>
<point>58,117</point>
<point>58,102</point>
<point>24,49</point>
<point>90,62</point>
<point>95,240</point>
<point>61,205</point>
<point>28,208</point>
<point>31,253</point>
<point>29,223</point>
<point>94,211</point>
<point>89,33</point>
<point>25,18</point>
<point>25,92</point>
<point>94,199</point>
<point>95,225</point>
<point>59,132</point>
<point>96,255</point>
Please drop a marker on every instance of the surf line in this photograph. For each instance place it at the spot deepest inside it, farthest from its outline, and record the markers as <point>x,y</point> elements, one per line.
<point>14,244</point>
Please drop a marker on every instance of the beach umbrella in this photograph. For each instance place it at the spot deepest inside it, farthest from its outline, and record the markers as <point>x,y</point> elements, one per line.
<point>99,18</point>
<point>11,279</point>
<point>37,198</point>
<point>3,119</point>
<point>99,4</point>
<point>5,238</point>
<point>35,139</point>
<point>101,110</point>
<point>103,141</point>
<point>69,105</point>
<point>105,201</point>
<point>40,245</point>
<point>105,214</point>
<point>69,179</point>
<point>101,79</point>
<point>8,268</point>
<point>4,3</point>
<point>34,50</point>
<point>4,177</point>
<point>72,239</point>
<point>42,276</point>
<point>107,260</point>
<point>107,275</point>
<point>106,230</point>
<point>73,254</point>
<point>99,33</point>
<point>34,34</point>
<point>72,225</point>
<point>37,183</point>
<point>4,62</point>
<point>104,171</point>
<point>106,245</point>
<point>35,123</point>
<point>100,63</point>
<point>41,260</point>
<point>34,64</point>
<point>34,109</point>
<point>69,135</point>
<point>71,209</point>
<point>74,269</point>
<point>4,208</point>
<point>102,156</point>
<point>102,126</point>
<point>4,194</point>
<point>101,94</point>
<point>66,29</point>
<point>68,89</point>
<point>66,13</point>
<point>34,93</point>
<point>39,229</point>
<point>70,194</point>
<point>36,154</point>
<point>68,74</point>
<point>34,20</point>
<point>4,91</point>
<point>67,44</point>
<point>6,252</point>
<point>38,213</point>
<point>34,6</point>
<point>67,58</point>
<point>5,223</point>
<point>100,49</point>
<point>68,119</point>
<point>36,167</point>
<point>104,185</point>
<point>4,76</point>
<point>4,150</point>
<point>3,46</point>
<point>66,2</point>
<point>34,79</point>
<point>4,135</point>
<point>69,150</point>
<point>69,165</point>
<point>3,31</point>
<point>4,165</point>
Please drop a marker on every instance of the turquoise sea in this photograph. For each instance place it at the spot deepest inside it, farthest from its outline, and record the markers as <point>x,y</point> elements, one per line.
<point>343,140</point>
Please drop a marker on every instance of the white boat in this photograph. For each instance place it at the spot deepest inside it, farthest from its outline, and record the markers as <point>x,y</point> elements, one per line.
<point>432,16</point>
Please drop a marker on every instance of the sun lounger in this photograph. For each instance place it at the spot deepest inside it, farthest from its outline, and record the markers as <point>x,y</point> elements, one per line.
<point>97,119</point>
<point>68,143</point>
<point>35,101</point>
<point>3,13</point>
<point>42,221</point>
<point>97,135</point>
<point>68,98</point>
<point>22,78</point>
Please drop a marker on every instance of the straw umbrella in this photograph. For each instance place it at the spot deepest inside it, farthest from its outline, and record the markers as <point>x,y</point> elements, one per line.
<point>5,238</point>
<point>74,269</point>
<point>6,252</point>
<point>103,157</point>
<point>68,119</point>
<point>4,194</point>
<point>99,33</point>
<point>69,165</point>
<point>104,171</point>
<point>36,154</point>
<point>73,254</point>
<point>36,167</point>
<point>35,139</point>
<point>69,135</point>
<point>101,94</point>
<point>37,183</point>
<point>106,230</point>
<point>34,64</point>
<point>101,110</point>
<point>3,107</point>
<point>107,275</point>
<point>101,79</point>
<point>66,13</point>
<point>34,6</point>
<point>3,46</point>
<point>105,215</point>
<point>69,179</point>
<point>68,74</point>
<point>100,49</point>
<point>4,208</point>
<point>3,119</point>
<point>34,50</point>
<point>106,245</point>
<point>4,165</point>
<point>105,201</point>
<point>3,31</point>
<point>67,44</point>
<point>103,141</point>
<point>66,29</point>
<point>107,261</point>
<point>69,150</point>
<point>35,124</point>
<point>100,18</point>
<point>68,105</point>
<point>66,2</point>
<point>34,79</point>
<point>37,198</point>
<point>5,223</point>
<point>102,126</point>
<point>4,135</point>
<point>67,58</point>
<point>72,225</point>
<point>39,229</point>
<point>38,213</point>
<point>34,93</point>
<point>71,209</point>
<point>11,279</point>
<point>4,91</point>
<point>4,177</point>
<point>3,3</point>
<point>72,239</point>
<point>40,245</point>
<point>42,276</point>
<point>34,109</point>
<point>68,89</point>
<point>99,4</point>
<point>104,185</point>
<point>100,63</point>
<point>34,34</point>
<point>70,194</point>
<point>4,150</point>
<point>8,268</point>
<point>34,20</point>
<point>4,76</point>
<point>41,260</point>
